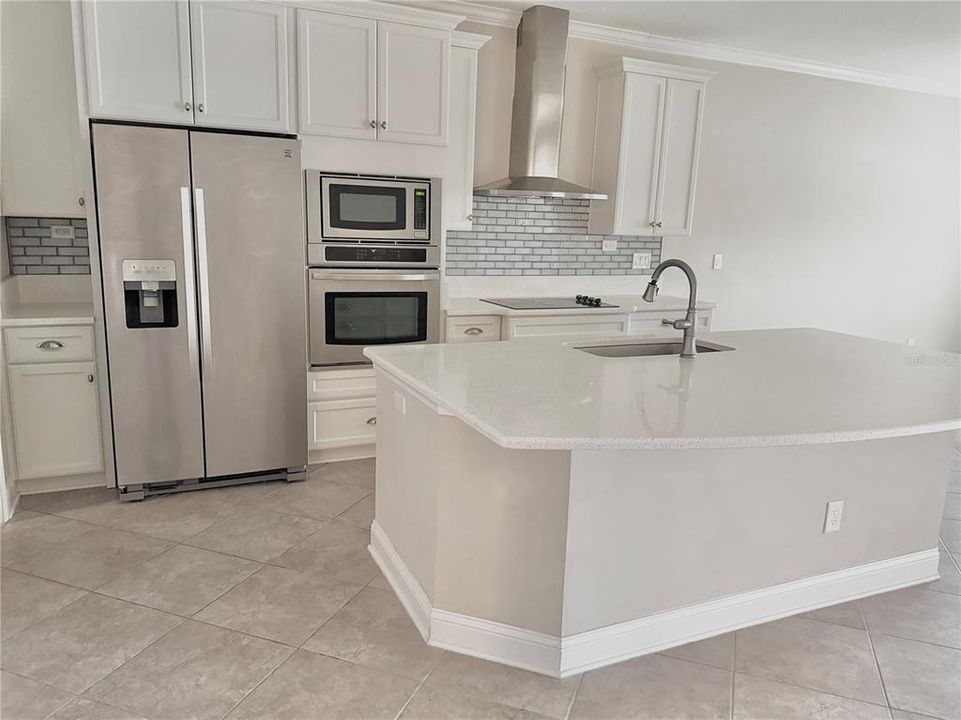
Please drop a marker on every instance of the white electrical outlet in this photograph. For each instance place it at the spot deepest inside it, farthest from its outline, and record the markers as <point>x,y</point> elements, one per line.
<point>832,516</point>
<point>911,342</point>
<point>400,403</point>
<point>609,246</point>
<point>64,232</point>
<point>642,261</point>
<point>718,261</point>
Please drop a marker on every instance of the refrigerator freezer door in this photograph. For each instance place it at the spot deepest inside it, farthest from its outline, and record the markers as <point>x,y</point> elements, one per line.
<point>248,199</point>
<point>144,213</point>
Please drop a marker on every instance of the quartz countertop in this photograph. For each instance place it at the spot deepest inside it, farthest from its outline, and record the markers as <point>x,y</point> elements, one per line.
<point>34,314</point>
<point>776,388</point>
<point>458,306</point>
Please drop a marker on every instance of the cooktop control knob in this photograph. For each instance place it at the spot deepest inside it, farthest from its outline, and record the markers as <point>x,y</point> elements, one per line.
<point>579,299</point>
<point>597,302</point>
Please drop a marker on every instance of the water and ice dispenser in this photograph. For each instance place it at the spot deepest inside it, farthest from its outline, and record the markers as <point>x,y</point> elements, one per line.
<point>150,293</point>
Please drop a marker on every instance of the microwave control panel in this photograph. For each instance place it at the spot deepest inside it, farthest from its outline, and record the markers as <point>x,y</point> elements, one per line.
<point>420,209</point>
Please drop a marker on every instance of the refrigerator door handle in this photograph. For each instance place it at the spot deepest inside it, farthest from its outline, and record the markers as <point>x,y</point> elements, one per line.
<point>204,284</point>
<point>190,288</point>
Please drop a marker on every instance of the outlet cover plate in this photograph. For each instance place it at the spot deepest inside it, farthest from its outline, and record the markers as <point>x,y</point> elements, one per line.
<point>63,232</point>
<point>642,261</point>
<point>833,515</point>
<point>609,246</point>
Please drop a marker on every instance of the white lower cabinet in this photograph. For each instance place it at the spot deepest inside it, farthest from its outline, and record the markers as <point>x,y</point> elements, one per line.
<point>472,328</point>
<point>341,414</point>
<point>572,326</point>
<point>56,419</point>
<point>648,323</point>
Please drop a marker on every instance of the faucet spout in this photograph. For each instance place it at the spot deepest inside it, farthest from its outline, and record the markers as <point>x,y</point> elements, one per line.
<point>687,325</point>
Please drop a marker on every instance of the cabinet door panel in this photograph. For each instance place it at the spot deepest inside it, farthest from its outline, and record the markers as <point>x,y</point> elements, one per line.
<point>56,421</point>
<point>138,60</point>
<point>679,152</point>
<point>337,70</point>
<point>413,67</point>
<point>637,171</point>
<point>459,180</point>
<point>240,64</point>
<point>341,423</point>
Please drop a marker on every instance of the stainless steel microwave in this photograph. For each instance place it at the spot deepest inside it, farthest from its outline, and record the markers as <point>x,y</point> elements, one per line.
<point>371,208</point>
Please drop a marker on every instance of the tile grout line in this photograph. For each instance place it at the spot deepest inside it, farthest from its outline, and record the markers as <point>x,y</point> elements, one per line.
<point>577,689</point>
<point>877,664</point>
<point>414,693</point>
<point>733,671</point>
<point>264,679</point>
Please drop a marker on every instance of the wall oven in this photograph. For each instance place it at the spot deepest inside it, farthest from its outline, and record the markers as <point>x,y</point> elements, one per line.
<point>391,221</point>
<point>351,308</point>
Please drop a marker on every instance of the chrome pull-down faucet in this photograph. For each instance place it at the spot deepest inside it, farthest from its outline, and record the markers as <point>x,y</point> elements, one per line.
<point>688,349</point>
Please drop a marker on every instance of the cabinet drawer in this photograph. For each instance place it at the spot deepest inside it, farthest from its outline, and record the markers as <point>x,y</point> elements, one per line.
<point>48,344</point>
<point>473,328</point>
<point>341,423</point>
<point>567,326</point>
<point>341,384</point>
<point>649,323</point>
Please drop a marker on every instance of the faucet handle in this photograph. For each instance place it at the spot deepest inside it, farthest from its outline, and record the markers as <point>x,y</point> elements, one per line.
<point>682,324</point>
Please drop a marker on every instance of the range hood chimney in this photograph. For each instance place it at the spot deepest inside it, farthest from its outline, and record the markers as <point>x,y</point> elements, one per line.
<point>538,107</point>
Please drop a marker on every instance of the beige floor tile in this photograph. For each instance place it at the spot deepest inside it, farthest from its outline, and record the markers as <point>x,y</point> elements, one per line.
<point>716,651</point>
<point>483,680</point>
<point>920,678</point>
<point>336,550</point>
<point>352,472</point>
<point>950,581</point>
<point>256,534</point>
<point>952,506</point>
<point>93,558</point>
<point>182,580</point>
<point>313,498</point>
<point>811,654</point>
<point>360,514</point>
<point>916,614</point>
<point>373,630</point>
<point>25,699</point>
<point>28,533</point>
<point>26,600</point>
<point>197,671</point>
<point>848,614</point>
<point>429,703</point>
<point>654,686</point>
<point>280,604</point>
<point>82,709</point>
<point>757,699</point>
<point>951,534</point>
<point>380,582</point>
<point>902,715</point>
<point>83,642</point>
<point>312,686</point>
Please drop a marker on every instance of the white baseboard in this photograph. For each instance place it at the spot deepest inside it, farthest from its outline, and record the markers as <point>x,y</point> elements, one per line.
<point>405,585</point>
<point>35,486</point>
<point>573,654</point>
<point>341,454</point>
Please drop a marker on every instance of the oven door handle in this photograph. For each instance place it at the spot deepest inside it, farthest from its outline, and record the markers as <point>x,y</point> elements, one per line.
<point>367,276</point>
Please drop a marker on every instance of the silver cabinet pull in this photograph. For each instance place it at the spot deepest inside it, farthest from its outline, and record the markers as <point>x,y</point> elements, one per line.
<point>473,331</point>
<point>383,125</point>
<point>651,223</point>
<point>657,224</point>
<point>200,107</point>
<point>372,421</point>
<point>187,106</point>
<point>81,202</point>
<point>471,217</point>
<point>89,378</point>
<point>373,124</point>
<point>50,345</point>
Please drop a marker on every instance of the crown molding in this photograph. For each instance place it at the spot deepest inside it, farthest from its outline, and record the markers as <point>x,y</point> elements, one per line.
<point>503,17</point>
<point>646,67</point>
<point>425,14</point>
<point>473,41</point>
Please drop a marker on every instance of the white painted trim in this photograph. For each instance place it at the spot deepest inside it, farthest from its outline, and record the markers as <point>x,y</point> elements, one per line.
<point>647,67</point>
<point>386,11</point>
<point>471,41</point>
<point>596,648</point>
<point>688,48</point>
<point>401,579</point>
<point>495,641</point>
<point>59,483</point>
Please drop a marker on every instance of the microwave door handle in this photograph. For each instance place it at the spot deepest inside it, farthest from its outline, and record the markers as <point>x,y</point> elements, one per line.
<point>368,277</point>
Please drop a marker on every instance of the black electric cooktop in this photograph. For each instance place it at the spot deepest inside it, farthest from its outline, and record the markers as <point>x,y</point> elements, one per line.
<point>549,303</point>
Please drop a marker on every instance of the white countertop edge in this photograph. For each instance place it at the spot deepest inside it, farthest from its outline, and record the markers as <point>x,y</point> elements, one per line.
<point>45,321</point>
<point>667,443</point>
<point>626,304</point>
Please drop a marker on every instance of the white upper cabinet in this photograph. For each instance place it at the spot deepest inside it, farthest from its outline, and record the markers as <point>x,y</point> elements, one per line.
<point>221,64</point>
<point>41,140</point>
<point>240,64</point>
<point>371,79</point>
<point>337,70</point>
<point>138,60</point>
<point>459,174</point>
<point>646,145</point>
<point>412,74</point>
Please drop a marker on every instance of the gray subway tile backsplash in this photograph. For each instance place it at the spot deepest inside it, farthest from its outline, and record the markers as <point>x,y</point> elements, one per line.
<point>540,236</point>
<point>33,250</point>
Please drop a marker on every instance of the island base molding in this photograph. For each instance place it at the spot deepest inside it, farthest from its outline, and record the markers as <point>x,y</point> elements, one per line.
<point>569,655</point>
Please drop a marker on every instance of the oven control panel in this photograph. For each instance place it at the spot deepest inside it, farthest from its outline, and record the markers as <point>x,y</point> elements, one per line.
<point>420,209</point>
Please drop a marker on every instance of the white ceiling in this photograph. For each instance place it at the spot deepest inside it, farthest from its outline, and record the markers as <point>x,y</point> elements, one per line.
<point>907,39</point>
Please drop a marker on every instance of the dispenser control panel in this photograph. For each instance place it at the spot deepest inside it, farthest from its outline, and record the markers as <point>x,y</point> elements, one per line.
<point>149,271</point>
<point>150,293</point>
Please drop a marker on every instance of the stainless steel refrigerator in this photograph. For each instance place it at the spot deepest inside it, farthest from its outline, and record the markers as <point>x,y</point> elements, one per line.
<point>202,256</point>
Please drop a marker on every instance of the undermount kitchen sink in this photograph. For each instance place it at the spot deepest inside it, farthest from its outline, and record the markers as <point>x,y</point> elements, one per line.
<point>647,348</point>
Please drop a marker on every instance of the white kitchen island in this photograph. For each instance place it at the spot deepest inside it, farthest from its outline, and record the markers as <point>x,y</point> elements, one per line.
<point>558,511</point>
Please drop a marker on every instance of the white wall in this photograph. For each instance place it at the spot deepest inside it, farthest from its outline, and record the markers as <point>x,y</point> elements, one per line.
<point>835,205</point>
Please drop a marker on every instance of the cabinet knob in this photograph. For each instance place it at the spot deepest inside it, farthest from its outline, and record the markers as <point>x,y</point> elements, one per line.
<point>187,106</point>
<point>372,421</point>
<point>473,331</point>
<point>373,124</point>
<point>383,125</point>
<point>657,224</point>
<point>50,345</point>
<point>89,378</point>
<point>651,223</point>
<point>470,217</point>
<point>81,202</point>
<point>200,107</point>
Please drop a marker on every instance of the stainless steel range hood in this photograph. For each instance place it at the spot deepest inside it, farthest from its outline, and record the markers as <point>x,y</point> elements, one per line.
<point>538,107</point>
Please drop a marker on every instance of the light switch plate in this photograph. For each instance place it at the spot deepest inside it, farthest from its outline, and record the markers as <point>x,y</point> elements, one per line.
<point>400,403</point>
<point>63,232</point>
<point>833,515</point>
<point>642,261</point>
<point>718,261</point>
<point>609,246</point>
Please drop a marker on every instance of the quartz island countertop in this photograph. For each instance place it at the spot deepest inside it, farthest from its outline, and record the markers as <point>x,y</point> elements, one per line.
<point>776,388</point>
